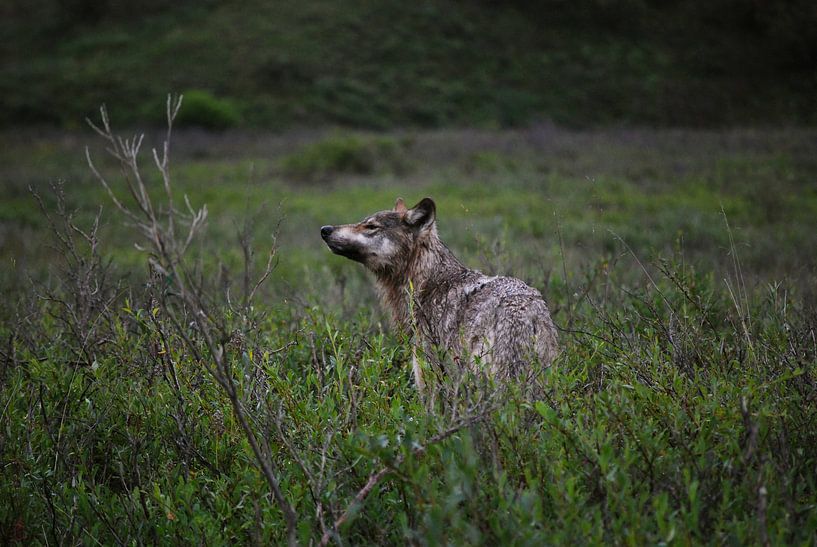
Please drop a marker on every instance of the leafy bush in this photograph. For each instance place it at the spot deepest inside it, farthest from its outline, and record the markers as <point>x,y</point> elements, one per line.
<point>202,109</point>
<point>675,414</point>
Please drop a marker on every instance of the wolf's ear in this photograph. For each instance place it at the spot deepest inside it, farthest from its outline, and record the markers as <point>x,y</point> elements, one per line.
<point>400,206</point>
<point>422,215</point>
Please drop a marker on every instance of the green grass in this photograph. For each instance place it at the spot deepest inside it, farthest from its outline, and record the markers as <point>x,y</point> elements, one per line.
<point>345,155</point>
<point>680,412</point>
<point>397,64</point>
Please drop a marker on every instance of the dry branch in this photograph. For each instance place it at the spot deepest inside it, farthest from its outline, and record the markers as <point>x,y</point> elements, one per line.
<point>166,255</point>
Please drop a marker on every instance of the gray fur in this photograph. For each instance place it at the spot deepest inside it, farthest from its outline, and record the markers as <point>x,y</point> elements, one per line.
<point>499,323</point>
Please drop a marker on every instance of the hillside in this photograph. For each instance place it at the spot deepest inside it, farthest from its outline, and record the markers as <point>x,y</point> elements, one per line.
<point>432,63</point>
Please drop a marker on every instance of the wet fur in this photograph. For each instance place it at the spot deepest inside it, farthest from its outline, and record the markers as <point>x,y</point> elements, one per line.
<point>499,322</point>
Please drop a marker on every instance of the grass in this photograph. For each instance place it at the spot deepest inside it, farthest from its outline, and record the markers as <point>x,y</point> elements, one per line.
<point>345,155</point>
<point>680,412</point>
<point>649,188</point>
<point>472,64</point>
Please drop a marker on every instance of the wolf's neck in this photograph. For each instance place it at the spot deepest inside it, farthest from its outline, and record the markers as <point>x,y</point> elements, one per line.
<point>430,264</point>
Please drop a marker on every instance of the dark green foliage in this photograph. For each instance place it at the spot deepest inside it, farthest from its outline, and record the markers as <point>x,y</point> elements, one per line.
<point>435,63</point>
<point>202,109</point>
<point>675,414</point>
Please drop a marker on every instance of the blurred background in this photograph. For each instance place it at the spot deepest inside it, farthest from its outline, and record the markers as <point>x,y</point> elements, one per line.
<point>381,64</point>
<point>548,132</point>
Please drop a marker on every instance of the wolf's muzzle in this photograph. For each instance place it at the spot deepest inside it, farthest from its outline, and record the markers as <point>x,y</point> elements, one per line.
<point>326,231</point>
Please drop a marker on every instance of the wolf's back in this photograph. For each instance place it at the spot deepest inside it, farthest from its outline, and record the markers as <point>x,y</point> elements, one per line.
<point>499,322</point>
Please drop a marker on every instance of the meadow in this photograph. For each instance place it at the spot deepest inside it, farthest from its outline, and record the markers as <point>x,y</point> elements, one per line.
<point>679,266</point>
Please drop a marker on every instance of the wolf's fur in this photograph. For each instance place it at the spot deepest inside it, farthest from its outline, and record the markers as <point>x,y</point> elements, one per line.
<point>498,322</point>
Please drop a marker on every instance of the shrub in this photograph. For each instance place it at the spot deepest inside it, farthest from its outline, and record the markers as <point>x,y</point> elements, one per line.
<point>202,109</point>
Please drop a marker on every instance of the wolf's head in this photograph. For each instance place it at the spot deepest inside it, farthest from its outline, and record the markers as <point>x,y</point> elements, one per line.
<point>384,241</point>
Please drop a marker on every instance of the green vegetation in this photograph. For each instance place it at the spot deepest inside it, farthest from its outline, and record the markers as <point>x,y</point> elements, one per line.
<point>344,155</point>
<point>431,63</point>
<point>152,393</point>
<point>201,109</point>
<point>676,264</point>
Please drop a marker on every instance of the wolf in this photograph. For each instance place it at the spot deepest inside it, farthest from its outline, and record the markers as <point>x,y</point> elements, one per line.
<point>497,323</point>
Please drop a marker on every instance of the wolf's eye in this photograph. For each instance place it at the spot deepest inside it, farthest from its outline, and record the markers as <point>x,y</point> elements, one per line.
<point>371,227</point>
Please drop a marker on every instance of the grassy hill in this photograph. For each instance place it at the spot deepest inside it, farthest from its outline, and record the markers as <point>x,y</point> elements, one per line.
<point>391,63</point>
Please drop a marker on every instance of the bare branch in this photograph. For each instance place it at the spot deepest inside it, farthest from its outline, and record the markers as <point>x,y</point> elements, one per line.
<point>167,257</point>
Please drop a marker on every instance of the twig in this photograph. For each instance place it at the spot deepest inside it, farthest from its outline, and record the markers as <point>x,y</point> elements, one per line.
<point>166,257</point>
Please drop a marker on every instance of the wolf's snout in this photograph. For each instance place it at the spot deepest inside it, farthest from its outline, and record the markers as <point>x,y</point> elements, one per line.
<point>326,231</point>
